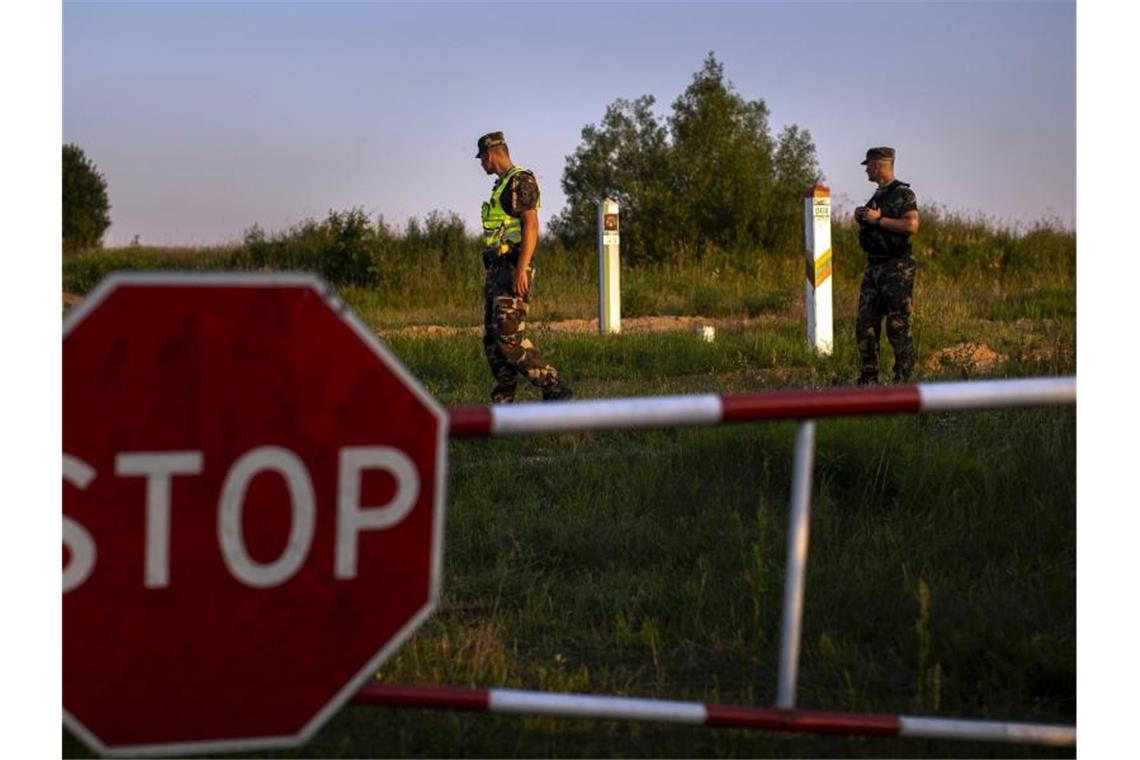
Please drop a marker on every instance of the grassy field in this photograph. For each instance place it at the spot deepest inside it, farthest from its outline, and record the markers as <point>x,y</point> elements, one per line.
<point>942,568</point>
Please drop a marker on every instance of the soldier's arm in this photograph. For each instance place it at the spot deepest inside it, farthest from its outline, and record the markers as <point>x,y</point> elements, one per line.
<point>904,223</point>
<point>907,225</point>
<point>529,220</point>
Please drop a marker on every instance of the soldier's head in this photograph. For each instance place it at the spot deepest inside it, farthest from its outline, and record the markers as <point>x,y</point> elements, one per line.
<point>493,154</point>
<point>880,163</point>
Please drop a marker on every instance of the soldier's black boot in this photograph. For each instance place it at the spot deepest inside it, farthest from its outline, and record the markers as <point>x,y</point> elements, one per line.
<point>558,392</point>
<point>904,368</point>
<point>865,379</point>
<point>503,394</point>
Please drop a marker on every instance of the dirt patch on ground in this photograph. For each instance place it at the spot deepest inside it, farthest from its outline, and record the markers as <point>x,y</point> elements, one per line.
<point>977,358</point>
<point>628,325</point>
<point>433,330</point>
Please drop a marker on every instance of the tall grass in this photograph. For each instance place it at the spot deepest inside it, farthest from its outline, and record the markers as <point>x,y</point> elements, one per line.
<point>431,272</point>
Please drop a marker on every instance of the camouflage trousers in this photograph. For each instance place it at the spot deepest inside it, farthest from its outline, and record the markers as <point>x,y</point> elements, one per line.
<point>508,351</point>
<point>886,294</point>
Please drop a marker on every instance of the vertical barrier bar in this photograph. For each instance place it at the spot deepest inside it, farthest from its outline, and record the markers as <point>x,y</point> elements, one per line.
<point>799,517</point>
<point>609,270</point>
<point>817,287</point>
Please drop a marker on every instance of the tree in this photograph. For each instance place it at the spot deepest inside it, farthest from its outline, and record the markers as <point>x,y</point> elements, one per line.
<point>709,182</point>
<point>624,158</point>
<point>86,210</point>
<point>794,170</point>
<point>724,162</point>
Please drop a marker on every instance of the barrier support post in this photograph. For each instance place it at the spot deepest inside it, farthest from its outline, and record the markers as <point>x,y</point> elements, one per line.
<point>799,517</point>
<point>609,269</point>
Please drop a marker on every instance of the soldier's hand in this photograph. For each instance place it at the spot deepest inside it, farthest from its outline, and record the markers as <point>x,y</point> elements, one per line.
<point>522,282</point>
<point>871,215</point>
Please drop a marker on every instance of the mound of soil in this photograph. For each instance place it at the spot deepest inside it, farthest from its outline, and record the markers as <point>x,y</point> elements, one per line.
<point>976,358</point>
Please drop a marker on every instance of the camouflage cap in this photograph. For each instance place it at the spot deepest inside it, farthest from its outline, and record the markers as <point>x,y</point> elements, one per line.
<point>875,154</point>
<point>488,141</point>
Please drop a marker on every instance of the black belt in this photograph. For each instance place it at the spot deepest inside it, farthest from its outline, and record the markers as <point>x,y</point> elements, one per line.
<point>493,259</point>
<point>878,259</point>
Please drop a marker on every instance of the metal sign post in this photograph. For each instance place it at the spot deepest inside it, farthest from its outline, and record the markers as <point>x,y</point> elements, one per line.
<point>817,239</point>
<point>609,271</point>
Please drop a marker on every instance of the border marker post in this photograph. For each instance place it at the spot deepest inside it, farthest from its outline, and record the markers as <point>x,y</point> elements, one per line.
<point>817,287</point>
<point>609,270</point>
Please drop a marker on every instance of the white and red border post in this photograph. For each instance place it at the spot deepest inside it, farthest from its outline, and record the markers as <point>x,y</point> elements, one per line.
<point>609,268</point>
<point>817,287</point>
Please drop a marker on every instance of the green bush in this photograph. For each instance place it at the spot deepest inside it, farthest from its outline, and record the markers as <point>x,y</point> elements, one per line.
<point>86,209</point>
<point>344,248</point>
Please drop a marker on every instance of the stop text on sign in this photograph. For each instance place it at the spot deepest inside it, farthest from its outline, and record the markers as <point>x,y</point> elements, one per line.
<point>159,468</point>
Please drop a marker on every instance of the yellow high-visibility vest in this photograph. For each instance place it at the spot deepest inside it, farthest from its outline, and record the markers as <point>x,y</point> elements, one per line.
<point>501,230</point>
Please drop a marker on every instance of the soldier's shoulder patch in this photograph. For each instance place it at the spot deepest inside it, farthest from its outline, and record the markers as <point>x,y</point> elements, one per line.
<point>524,188</point>
<point>525,177</point>
<point>903,197</point>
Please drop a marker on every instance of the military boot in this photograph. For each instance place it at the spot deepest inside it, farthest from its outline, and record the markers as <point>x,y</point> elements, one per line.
<point>557,392</point>
<point>503,394</point>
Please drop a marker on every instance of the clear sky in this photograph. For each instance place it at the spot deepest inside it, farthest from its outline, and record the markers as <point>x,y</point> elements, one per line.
<point>208,117</point>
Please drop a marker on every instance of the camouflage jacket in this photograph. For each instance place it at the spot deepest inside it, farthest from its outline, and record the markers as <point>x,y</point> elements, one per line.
<point>893,201</point>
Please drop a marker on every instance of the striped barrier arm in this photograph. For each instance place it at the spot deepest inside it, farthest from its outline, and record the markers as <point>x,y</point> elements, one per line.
<point>712,409</point>
<point>718,716</point>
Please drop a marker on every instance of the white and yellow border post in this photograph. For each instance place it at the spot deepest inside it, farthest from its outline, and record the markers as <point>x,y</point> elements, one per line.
<point>817,239</point>
<point>609,270</point>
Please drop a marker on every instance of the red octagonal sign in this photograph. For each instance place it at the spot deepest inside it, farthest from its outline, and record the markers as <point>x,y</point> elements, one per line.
<point>253,498</point>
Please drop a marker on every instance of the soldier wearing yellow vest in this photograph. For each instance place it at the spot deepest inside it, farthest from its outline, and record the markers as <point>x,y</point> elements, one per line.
<point>510,235</point>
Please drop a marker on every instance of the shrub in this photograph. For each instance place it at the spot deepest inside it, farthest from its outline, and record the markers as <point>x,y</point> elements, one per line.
<point>86,210</point>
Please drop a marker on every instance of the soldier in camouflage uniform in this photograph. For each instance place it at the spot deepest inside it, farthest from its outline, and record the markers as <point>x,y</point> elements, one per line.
<point>885,226</point>
<point>510,235</point>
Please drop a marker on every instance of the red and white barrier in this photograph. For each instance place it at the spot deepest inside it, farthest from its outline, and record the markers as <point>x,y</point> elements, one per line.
<point>712,409</point>
<point>719,716</point>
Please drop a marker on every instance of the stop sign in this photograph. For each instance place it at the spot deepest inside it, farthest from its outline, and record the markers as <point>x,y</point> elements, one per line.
<point>253,494</point>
